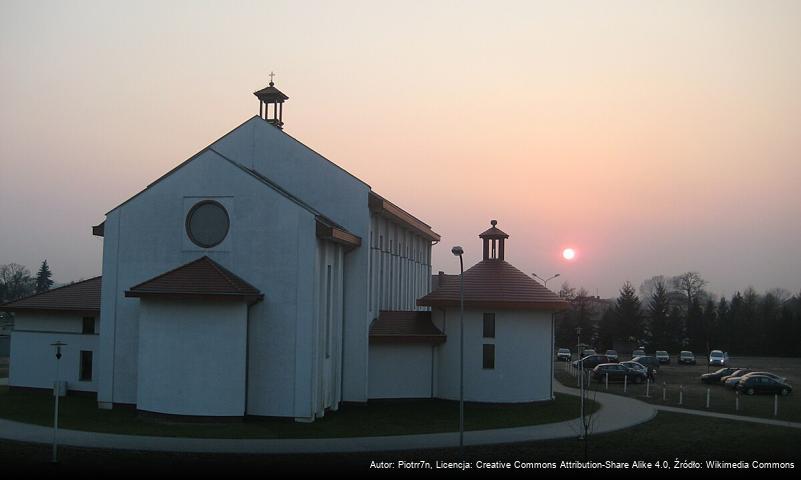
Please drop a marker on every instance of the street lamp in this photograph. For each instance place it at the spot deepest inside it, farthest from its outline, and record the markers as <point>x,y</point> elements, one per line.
<point>459,251</point>
<point>57,391</point>
<point>545,281</point>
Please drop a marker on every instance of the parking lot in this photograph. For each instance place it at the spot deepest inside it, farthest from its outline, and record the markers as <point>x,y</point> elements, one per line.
<point>680,386</point>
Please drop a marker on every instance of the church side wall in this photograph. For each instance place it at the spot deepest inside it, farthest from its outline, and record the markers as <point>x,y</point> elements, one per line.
<point>33,361</point>
<point>400,267</point>
<point>523,360</point>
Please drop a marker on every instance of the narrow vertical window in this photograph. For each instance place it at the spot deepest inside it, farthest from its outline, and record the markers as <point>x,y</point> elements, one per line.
<point>88,326</point>
<point>489,356</point>
<point>85,374</point>
<point>489,325</point>
<point>328,313</point>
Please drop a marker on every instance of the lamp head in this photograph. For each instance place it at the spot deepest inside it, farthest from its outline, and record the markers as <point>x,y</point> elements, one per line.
<point>457,250</point>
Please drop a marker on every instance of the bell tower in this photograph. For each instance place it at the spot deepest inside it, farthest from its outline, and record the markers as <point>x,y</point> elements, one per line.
<point>493,242</point>
<point>271,103</point>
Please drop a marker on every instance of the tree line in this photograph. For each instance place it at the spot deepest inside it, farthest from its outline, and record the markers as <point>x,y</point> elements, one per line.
<point>678,313</point>
<point>17,282</point>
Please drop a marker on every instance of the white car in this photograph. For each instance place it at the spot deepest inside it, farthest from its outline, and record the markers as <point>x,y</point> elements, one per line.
<point>717,357</point>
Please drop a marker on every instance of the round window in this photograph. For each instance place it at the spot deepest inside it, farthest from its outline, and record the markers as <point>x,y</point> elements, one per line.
<point>207,224</point>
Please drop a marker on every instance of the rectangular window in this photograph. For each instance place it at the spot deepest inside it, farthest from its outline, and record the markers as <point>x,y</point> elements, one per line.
<point>489,356</point>
<point>88,326</point>
<point>86,366</point>
<point>489,325</point>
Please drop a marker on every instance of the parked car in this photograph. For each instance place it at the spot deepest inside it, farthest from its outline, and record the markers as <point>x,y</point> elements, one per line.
<point>564,354</point>
<point>639,352</point>
<point>737,373</point>
<point>715,377</point>
<point>612,355</point>
<point>617,373</point>
<point>762,384</point>
<point>639,367</point>
<point>662,357</point>
<point>732,381</point>
<point>649,362</point>
<point>718,357</point>
<point>687,357</point>
<point>591,361</point>
<point>588,351</point>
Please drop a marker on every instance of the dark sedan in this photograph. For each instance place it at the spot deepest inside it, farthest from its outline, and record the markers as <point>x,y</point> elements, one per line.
<point>761,384</point>
<point>738,373</point>
<point>715,377</point>
<point>591,361</point>
<point>617,373</point>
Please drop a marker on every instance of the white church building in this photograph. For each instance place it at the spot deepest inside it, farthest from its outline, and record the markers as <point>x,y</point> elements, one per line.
<point>259,278</point>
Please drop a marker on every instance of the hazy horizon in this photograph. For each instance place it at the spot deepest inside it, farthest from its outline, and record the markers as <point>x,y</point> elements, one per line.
<point>651,138</point>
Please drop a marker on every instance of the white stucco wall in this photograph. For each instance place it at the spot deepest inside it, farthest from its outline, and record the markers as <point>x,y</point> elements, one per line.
<point>272,245</point>
<point>32,362</point>
<point>336,194</point>
<point>192,357</point>
<point>523,358</point>
<point>401,371</point>
<point>51,322</point>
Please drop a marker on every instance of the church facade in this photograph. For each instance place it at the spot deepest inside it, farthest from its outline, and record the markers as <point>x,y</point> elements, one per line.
<point>259,278</point>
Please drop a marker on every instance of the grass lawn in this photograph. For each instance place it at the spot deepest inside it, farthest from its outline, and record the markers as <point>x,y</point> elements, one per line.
<point>386,417</point>
<point>669,436</point>
<point>672,377</point>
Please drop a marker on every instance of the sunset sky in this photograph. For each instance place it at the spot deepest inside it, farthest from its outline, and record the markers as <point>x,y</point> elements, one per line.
<point>651,137</point>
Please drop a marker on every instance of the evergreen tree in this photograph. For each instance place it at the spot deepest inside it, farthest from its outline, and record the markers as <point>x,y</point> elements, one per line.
<point>676,328</point>
<point>721,333</point>
<point>629,315</point>
<point>709,325</point>
<point>658,309</point>
<point>607,329</point>
<point>43,281</point>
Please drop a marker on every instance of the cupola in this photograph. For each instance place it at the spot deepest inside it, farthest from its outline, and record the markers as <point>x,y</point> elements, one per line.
<point>271,103</point>
<point>493,242</point>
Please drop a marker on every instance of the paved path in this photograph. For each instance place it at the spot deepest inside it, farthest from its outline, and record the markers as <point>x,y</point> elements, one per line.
<point>616,413</point>
<point>728,416</point>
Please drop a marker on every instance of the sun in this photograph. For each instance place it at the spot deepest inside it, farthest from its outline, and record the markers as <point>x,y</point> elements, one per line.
<point>568,254</point>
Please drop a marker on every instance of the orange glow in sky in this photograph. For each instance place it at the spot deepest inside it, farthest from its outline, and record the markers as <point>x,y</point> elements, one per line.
<point>659,139</point>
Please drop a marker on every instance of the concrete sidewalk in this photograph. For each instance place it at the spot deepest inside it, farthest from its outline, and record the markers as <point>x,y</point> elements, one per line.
<point>728,416</point>
<point>616,413</point>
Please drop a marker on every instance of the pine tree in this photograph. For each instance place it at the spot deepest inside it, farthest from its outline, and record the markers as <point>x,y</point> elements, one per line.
<point>43,281</point>
<point>658,309</point>
<point>629,316</point>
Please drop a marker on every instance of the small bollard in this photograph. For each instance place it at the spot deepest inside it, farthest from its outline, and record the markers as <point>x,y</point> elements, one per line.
<point>737,402</point>
<point>775,405</point>
<point>707,398</point>
<point>625,382</point>
<point>606,387</point>
<point>648,388</point>
<point>681,394</point>
<point>664,391</point>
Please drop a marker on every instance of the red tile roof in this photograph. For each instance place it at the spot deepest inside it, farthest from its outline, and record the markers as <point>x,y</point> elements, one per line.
<point>201,278</point>
<point>493,284</point>
<point>83,296</point>
<point>405,327</point>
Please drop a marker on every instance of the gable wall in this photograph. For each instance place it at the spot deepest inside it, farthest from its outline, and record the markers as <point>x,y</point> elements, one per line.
<point>271,244</point>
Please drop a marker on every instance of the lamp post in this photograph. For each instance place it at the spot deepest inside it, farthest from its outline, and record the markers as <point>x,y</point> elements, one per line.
<point>57,391</point>
<point>581,377</point>
<point>545,281</point>
<point>459,251</point>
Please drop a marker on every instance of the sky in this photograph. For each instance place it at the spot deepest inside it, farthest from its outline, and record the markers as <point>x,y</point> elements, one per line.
<point>651,137</point>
